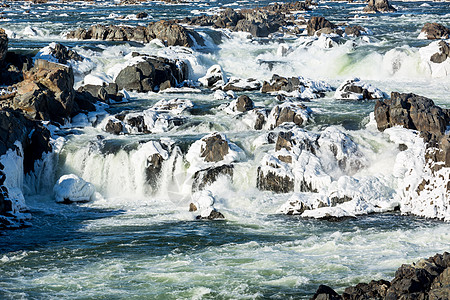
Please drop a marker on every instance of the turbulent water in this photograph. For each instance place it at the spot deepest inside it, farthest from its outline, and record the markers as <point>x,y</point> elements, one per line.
<point>140,243</point>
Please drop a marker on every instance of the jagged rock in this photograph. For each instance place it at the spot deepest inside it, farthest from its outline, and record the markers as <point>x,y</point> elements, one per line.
<point>317,23</point>
<point>63,54</point>
<point>255,29</point>
<point>374,6</point>
<point>325,293</point>
<point>47,92</point>
<point>433,31</point>
<point>3,44</point>
<point>443,54</point>
<point>153,169</point>
<point>174,34</point>
<point>271,181</point>
<point>372,290</point>
<point>151,73</point>
<point>215,148</point>
<point>103,93</point>
<point>412,112</point>
<point>207,176</point>
<point>244,103</point>
<point>279,83</point>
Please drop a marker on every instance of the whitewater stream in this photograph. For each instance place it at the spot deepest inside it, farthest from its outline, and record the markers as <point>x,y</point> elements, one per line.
<point>139,241</point>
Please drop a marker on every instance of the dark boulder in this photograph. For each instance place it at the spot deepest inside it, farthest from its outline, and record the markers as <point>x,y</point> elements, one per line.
<point>412,112</point>
<point>153,170</point>
<point>114,126</point>
<point>354,30</point>
<point>374,6</point>
<point>13,67</point>
<point>152,74</point>
<point>443,54</point>
<point>102,93</point>
<point>317,23</point>
<point>373,290</point>
<point>433,31</point>
<point>288,112</point>
<point>279,83</point>
<point>173,34</point>
<point>324,292</point>
<point>208,176</point>
<point>141,15</point>
<point>47,92</point>
<point>244,103</point>
<point>255,29</point>
<point>64,54</point>
<point>212,216</point>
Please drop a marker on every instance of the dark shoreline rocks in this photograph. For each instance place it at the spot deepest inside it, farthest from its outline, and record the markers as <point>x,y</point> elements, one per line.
<point>169,32</point>
<point>425,279</point>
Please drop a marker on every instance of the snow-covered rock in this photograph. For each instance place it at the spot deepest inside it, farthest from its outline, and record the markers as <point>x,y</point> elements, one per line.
<point>214,77</point>
<point>203,202</point>
<point>71,188</point>
<point>355,89</point>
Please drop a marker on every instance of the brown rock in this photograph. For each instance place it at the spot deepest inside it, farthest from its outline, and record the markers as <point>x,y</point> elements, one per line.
<point>443,54</point>
<point>435,31</point>
<point>375,6</point>
<point>244,103</point>
<point>317,23</point>
<point>215,149</point>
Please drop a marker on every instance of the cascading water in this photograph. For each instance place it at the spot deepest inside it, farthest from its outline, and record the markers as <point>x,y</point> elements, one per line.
<point>138,239</point>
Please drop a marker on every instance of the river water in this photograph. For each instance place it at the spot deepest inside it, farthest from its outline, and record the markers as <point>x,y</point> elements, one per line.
<point>136,242</point>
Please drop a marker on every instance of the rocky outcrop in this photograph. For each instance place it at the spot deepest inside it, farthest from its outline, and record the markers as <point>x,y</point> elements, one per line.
<point>240,85</point>
<point>215,148</point>
<point>169,32</point>
<point>35,141</point>
<point>442,55</point>
<point>152,73</point>
<point>64,54</point>
<point>317,23</point>
<point>425,279</point>
<point>375,6</point>
<point>355,89</point>
<point>259,22</point>
<point>213,77</point>
<point>92,93</point>
<point>292,112</point>
<point>46,93</point>
<point>412,112</point>
<point>434,31</point>
<point>3,44</point>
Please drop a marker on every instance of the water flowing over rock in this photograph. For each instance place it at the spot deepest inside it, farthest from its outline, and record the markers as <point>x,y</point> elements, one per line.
<point>203,201</point>
<point>425,279</point>
<point>170,33</point>
<point>47,92</point>
<point>434,31</point>
<point>375,6</point>
<point>214,77</point>
<point>203,178</point>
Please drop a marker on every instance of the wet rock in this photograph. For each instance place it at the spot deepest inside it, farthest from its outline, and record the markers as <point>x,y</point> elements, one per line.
<point>255,29</point>
<point>443,54</point>
<point>317,23</point>
<point>241,85</point>
<point>271,181</point>
<point>433,31</point>
<point>412,112</point>
<point>141,15</point>
<point>114,126</point>
<point>356,30</point>
<point>214,76</point>
<point>153,169</point>
<point>64,54</point>
<point>46,92</point>
<point>151,73</point>
<point>13,67</point>
<point>279,83</point>
<point>374,6</point>
<point>324,292</point>
<point>208,176</point>
<point>174,34</point>
<point>102,93</point>
<point>295,87</point>
<point>373,290</point>
<point>355,89</point>
<point>244,103</point>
